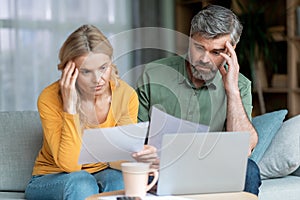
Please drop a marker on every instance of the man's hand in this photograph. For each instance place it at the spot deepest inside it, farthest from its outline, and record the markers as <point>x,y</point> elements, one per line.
<point>230,76</point>
<point>237,119</point>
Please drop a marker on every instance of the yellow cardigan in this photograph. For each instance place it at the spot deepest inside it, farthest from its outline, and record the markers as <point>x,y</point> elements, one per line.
<point>62,132</point>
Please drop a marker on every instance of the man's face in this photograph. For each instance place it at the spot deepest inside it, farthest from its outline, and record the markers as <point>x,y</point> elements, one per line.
<point>204,56</point>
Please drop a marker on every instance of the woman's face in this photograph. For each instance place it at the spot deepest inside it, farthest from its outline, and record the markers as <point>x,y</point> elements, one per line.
<point>94,73</point>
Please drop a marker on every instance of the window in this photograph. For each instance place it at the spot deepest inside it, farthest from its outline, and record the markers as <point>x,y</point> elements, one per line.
<point>31,34</point>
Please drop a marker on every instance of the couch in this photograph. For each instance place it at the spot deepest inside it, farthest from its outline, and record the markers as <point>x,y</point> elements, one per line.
<point>21,138</point>
<point>278,155</point>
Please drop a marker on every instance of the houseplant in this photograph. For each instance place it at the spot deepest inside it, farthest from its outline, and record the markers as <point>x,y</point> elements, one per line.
<point>254,47</point>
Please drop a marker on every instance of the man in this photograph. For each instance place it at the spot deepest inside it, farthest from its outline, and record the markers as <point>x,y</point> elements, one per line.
<point>205,85</point>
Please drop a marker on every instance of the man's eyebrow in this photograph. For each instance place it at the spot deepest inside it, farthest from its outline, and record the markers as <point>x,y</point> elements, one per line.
<point>196,43</point>
<point>220,50</point>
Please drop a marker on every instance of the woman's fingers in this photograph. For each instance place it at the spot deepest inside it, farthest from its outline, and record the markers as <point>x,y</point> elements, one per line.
<point>155,164</point>
<point>146,157</point>
<point>68,89</point>
<point>148,154</point>
<point>64,72</point>
<point>69,73</point>
<point>147,150</point>
<point>74,76</point>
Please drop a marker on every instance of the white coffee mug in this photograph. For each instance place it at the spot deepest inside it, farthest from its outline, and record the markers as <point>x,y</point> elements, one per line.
<point>135,176</point>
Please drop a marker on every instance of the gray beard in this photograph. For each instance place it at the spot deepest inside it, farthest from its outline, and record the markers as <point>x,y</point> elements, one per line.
<point>201,76</point>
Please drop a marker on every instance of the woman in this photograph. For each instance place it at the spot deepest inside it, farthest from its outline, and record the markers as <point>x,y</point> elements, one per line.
<point>89,94</point>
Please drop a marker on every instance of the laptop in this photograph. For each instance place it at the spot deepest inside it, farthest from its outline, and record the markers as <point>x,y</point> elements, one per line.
<point>195,163</point>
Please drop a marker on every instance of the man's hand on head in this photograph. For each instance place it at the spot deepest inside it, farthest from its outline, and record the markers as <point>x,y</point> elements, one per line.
<point>230,76</point>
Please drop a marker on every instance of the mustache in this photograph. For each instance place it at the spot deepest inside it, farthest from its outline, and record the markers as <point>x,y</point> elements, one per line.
<point>203,64</point>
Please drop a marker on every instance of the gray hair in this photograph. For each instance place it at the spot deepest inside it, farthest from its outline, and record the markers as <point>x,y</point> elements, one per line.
<point>215,21</point>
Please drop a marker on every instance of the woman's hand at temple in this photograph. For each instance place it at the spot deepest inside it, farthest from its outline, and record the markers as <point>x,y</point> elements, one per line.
<point>67,87</point>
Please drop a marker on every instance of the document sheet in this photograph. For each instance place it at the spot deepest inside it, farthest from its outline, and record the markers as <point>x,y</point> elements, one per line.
<point>112,144</point>
<point>118,143</point>
<point>162,123</point>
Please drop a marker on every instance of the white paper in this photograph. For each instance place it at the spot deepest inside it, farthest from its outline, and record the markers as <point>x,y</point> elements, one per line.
<point>118,143</point>
<point>162,123</point>
<point>112,144</point>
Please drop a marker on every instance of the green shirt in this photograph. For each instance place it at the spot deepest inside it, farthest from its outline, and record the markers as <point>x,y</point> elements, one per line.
<point>165,84</point>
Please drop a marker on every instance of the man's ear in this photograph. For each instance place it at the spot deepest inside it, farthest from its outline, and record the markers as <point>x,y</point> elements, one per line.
<point>234,46</point>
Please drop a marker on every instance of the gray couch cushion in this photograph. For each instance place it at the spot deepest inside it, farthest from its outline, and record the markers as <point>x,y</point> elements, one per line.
<point>12,195</point>
<point>280,188</point>
<point>20,140</point>
<point>283,155</point>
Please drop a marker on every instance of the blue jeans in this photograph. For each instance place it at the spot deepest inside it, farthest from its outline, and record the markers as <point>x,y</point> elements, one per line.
<point>253,180</point>
<point>73,186</point>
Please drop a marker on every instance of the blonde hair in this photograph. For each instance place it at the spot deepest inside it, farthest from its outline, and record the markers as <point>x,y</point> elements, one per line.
<point>84,40</point>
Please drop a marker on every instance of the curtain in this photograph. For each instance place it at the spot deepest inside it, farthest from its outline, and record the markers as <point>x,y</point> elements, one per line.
<point>31,34</point>
<point>154,13</point>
